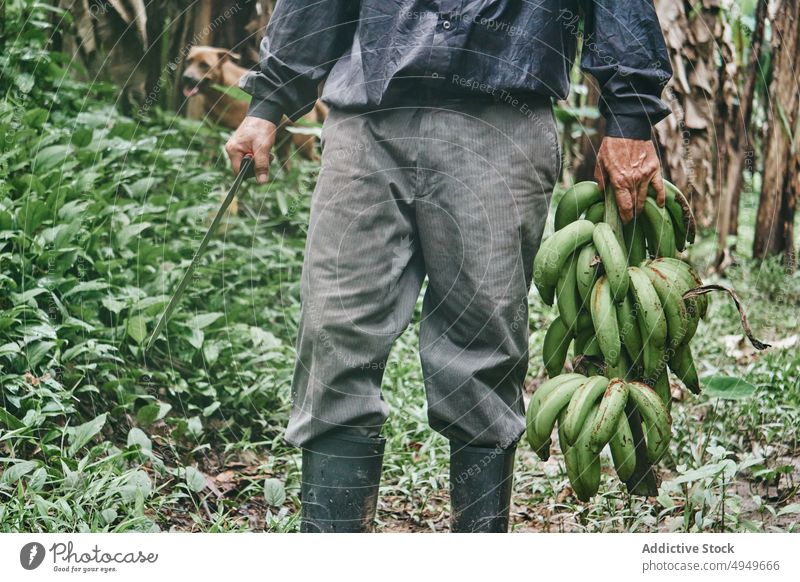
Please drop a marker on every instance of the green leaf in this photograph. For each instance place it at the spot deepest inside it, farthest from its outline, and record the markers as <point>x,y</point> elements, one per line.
<point>195,426</point>
<point>8,419</point>
<point>17,470</point>
<point>113,305</point>
<point>791,508</point>
<point>51,156</point>
<point>274,492</point>
<point>136,436</point>
<point>82,137</point>
<point>283,205</point>
<point>728,388</point>
<point>137,483</point>
<point>35,117</point>
<point>203,320</point>
<point>707,471</point>
<point>195,480</point>
<point>82,434</point>
<point>147,414</point>
<point>137,328</point>
<point>95,285</point>
<point>32,215</point>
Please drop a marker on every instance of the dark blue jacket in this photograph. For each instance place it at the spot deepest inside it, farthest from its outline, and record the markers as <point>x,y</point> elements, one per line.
<point>376,53</point>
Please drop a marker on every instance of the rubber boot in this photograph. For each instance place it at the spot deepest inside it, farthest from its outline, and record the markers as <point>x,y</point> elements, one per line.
<point>480,488</point>
<point>339,490</point>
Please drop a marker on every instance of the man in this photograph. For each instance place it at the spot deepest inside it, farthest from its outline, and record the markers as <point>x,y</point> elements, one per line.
<point>439,157</point>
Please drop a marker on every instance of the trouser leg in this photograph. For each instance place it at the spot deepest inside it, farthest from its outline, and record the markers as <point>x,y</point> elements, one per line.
<point>361,275</point>
<point>491,171</point>
<point>487,189</point>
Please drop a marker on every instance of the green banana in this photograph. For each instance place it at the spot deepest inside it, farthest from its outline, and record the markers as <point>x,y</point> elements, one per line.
<point>572,463</point>
<point>582,337</point>
<point>542,445</point>
<point>629,329</point>
<point>678,228</point>
<point>611,409</point>
<point>658,230</point>
<point>604,318</point>
<point>595,212</point>
<point>575,202</point>
<point>682,363</point>
<point>687,216</point>
<point>584,322</point>
<point>683,270</point>
<point>582,401</point>
<point>656,418</point>
<point>554,252</point>
<point>588,460</point>
<point>635,241</point>
<point>676,214</point>
<point>672,302</point>
<point>562,440</point>
<point>585,271</point>
<point>623,449</point>
<point>682,286</point>
<point>550,408</point>
<point>567,295</point>
<point>652,322</point>
<point>548,386</point>
<point>592,348</point>
<point>614,259</point>
<point>556,344</point>
<point>661,386</point>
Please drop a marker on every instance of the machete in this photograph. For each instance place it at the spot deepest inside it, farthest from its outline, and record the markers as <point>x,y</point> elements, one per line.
<point>245,171</point>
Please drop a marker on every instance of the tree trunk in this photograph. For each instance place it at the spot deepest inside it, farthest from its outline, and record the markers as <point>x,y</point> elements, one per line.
<point>589,142</point>
<point>741,152</point>
<point>686,139</point>
<point>781,182</point>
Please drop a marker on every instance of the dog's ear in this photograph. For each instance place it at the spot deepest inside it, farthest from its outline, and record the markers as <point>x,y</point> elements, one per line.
<point>229,56</point>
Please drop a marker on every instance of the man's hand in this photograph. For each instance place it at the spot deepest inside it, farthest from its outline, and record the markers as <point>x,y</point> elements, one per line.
<point>629,166</point>
<point>254,136</point>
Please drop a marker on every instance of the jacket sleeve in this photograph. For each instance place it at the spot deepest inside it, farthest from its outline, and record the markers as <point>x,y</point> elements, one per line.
<point>303,41</point>
<point>624,50</point>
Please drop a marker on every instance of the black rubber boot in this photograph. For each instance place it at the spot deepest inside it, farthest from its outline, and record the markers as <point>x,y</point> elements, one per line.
<point>339,491</point>
<point>480,488</point>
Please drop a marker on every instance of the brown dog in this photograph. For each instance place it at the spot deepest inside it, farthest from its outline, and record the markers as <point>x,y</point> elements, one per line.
<point>207,66</point>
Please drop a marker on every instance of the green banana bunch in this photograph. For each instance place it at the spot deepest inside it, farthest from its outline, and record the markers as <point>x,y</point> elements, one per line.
<point>619,294</point>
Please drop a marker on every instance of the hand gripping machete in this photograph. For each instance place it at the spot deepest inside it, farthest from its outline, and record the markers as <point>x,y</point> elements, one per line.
<point>245,171</point>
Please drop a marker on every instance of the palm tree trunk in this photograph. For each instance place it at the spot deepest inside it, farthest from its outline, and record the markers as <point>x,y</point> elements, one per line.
<point>781,182</point>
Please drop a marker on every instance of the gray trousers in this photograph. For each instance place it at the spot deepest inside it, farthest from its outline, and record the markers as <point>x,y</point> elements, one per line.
<point>458,193</point>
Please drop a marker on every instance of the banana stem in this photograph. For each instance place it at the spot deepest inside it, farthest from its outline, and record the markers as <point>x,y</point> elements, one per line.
<point>643,480</point>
